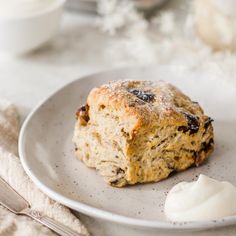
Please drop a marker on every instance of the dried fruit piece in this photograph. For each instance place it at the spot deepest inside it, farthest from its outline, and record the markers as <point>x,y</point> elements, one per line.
<point>208,122</point>
<point>193,123</point>
<point>82,114</point>
<point>143,95</point>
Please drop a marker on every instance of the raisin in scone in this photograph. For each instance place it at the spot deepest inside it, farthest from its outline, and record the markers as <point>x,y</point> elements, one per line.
<point>141,131</point>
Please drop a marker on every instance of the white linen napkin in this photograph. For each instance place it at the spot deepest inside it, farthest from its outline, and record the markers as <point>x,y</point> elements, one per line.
<point>13,173</point>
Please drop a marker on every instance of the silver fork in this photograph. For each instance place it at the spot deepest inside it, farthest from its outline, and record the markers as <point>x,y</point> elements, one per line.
<point>10,199</point>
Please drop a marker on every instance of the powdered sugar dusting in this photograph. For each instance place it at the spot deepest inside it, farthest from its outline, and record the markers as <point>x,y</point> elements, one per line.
<point>163,100</point>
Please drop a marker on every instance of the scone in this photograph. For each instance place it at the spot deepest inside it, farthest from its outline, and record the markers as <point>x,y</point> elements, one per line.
<point>141,131</point>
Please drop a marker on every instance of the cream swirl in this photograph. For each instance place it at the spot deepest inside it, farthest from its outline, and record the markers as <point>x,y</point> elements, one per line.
<point>204,199</point>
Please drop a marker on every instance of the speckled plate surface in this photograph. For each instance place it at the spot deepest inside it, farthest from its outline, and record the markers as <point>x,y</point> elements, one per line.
<point>46,151</point>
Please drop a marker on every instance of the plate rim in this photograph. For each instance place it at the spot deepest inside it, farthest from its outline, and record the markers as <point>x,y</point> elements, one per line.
<point>94,211</point>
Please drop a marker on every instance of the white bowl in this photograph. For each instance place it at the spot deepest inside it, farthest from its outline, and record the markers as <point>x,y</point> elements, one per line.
<point>21,34</point>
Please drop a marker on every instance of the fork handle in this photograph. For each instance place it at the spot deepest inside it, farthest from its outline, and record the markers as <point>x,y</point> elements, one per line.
<point>50,223</point>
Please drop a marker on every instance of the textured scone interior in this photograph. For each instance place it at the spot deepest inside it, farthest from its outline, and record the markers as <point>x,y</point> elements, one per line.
<point>141,131</point>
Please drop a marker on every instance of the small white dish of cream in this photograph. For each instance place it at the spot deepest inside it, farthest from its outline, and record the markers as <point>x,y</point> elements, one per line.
<point>204,199</point>
<point>27,24</point>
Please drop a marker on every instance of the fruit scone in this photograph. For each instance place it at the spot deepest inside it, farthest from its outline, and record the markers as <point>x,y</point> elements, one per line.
<point>141,131</point>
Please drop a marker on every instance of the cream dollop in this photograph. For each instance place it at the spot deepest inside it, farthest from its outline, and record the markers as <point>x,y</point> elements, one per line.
<point>15,8</point>
<point>227,7</point>
<point>204,199</point>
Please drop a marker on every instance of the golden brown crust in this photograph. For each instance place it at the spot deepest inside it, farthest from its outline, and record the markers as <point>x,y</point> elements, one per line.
<point>116,96</point>
<point>157,130</point>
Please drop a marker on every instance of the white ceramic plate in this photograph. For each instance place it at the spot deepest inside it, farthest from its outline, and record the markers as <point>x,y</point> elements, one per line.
<point>46,151</point>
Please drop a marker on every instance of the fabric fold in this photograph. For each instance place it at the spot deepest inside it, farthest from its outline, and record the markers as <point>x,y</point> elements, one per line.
<point>13,173</point>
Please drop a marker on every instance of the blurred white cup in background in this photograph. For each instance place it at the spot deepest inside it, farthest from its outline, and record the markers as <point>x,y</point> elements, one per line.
<point>26,25</point>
